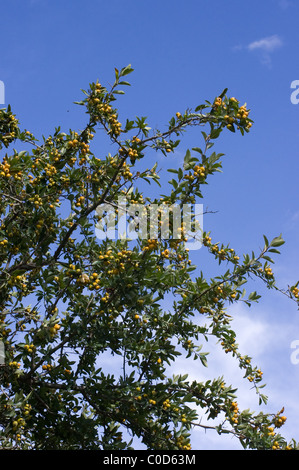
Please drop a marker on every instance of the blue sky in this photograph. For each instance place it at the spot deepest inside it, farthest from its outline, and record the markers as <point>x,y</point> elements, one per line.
<point>184,53</point>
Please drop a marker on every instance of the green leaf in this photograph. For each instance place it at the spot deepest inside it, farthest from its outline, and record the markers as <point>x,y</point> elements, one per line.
<point>203,360</point>
<point>187,159</point>
<point>266,241</point>
<point>172,122</point>
<point>263,399</point>
<point>223,93</point>
<point>268,259</point>
<point>215,157</point>
<point>129,125</point>
<point>215,133</point>
<point>174,183</point>
<point>273,250</point>
<point>197,149</point>
<point>126,70</point>
<point>277,241</point>
<point>253,296</point>
<point>180,174</point>
<point>200,107</point>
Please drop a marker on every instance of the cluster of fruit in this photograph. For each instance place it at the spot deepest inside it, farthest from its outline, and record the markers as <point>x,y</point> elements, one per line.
<point>295,292</point>
<point>100,109</point>
<point>8,127</point>
<point>235,412</point>
<point>232,113</point>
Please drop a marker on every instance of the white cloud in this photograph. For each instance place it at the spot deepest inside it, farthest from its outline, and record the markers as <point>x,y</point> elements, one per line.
<point>268,44</point>
<point>266,338</point>
<point>264,47</point>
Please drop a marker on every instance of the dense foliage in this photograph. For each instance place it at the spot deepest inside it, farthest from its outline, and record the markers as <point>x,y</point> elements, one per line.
<point>69,299</point>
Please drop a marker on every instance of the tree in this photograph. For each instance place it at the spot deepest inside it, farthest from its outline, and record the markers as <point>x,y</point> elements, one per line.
<point>69,298</point>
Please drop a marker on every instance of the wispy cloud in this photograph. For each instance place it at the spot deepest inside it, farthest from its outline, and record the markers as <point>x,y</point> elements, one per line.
<point>264,47</point>
<point>267,45</point>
